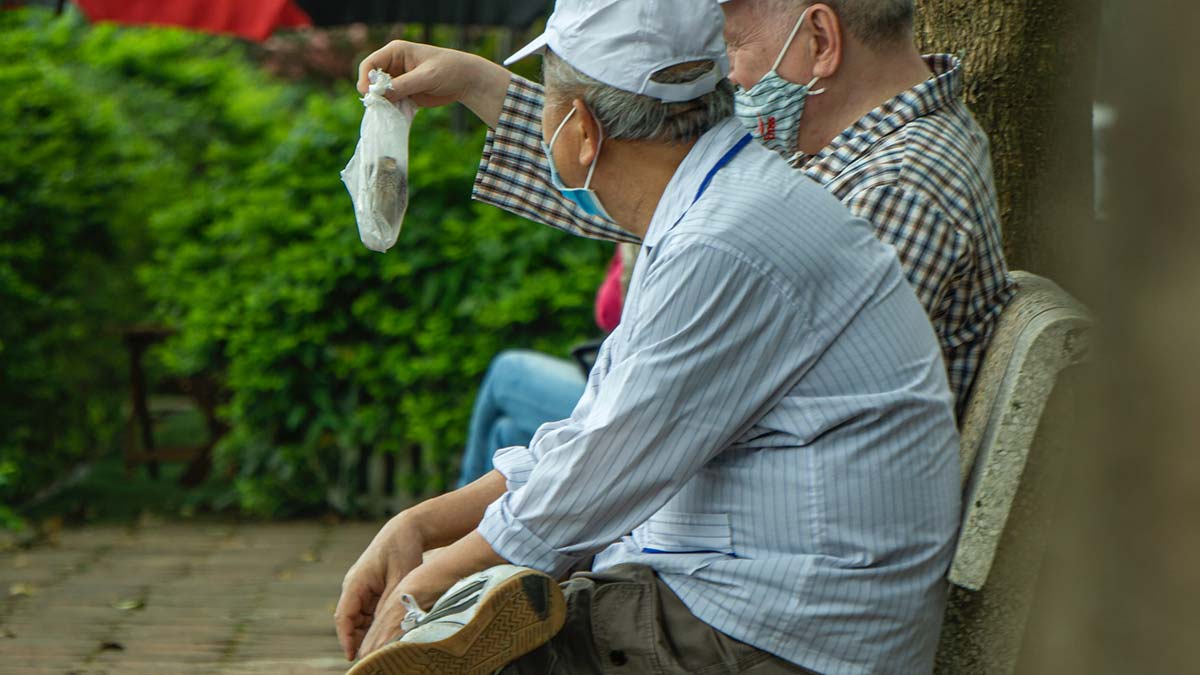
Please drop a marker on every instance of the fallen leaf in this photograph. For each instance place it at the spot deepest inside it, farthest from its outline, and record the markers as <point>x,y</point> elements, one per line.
<point>110,646</point>
<point>128,605</point>
<point>309,557</point>
<point>21,591</point>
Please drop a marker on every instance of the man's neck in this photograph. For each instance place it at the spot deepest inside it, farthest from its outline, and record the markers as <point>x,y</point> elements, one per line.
<point>862,84</point>
<point>634,188</point>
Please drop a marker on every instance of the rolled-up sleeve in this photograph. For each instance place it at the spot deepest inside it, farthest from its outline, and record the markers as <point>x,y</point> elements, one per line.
<point>515,464</point>
<point>514,173</point>
<point>713,345</point>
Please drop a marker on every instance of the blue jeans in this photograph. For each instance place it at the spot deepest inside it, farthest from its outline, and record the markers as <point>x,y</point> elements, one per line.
<point>521,391</point>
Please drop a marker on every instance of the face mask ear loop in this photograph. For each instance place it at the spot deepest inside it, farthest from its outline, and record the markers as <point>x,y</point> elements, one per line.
<point>560,128</point>
<point>787,45</point>
<point>810,89</point>
<point>595,160</point>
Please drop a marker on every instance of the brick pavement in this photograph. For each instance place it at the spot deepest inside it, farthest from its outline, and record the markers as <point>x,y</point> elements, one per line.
<point>177,598</point>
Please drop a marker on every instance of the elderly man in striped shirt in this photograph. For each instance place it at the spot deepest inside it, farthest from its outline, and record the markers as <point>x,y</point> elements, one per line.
<point>839,89</point>
<point>764,463</point>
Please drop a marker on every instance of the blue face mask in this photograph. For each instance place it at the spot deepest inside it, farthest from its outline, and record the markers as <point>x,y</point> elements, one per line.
<point>585,198</point>
<point>771,109</point>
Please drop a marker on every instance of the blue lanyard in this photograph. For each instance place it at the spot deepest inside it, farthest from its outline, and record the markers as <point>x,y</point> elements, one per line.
<point>721,164</point>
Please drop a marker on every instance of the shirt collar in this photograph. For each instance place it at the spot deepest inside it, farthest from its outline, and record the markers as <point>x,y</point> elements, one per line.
<point>681,190</point>
<point>942,88</point>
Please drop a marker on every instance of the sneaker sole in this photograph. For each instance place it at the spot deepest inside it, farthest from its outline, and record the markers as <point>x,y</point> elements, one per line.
<point>515,618</point>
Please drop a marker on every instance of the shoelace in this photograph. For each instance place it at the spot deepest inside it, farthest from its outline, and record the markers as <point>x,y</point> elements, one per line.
<point>414,612</point>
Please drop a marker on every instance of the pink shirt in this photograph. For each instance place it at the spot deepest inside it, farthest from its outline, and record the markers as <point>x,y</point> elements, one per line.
<point>608,298</point>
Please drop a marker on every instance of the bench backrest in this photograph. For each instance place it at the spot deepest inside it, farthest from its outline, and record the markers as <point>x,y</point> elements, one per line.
<point>1042,331</point>
<point>1015,438</point>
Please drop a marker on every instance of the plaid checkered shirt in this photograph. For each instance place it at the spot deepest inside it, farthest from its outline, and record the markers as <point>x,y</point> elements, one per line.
<point>917,168</point>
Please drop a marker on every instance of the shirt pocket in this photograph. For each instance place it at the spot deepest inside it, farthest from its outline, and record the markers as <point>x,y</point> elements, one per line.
<point>679,532</point>
<point>683,543</point>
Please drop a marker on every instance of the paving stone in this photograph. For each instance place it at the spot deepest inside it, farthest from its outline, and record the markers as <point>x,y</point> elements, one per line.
<point>180,598</point>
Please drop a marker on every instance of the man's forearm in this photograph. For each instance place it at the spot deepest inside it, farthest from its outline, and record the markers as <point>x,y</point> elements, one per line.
<point>461,559</point>
<point>444,520</point>
<point>485,95</point>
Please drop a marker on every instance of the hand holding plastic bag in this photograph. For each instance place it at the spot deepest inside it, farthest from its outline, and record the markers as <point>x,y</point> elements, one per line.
<point>377,175</point>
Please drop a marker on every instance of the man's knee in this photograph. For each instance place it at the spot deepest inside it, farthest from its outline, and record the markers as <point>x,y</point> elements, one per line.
<point>510,367</point>
<point>507,433</point>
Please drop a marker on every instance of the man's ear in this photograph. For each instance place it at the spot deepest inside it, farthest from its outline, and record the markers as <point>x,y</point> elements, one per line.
<point>589,133</point>
<point>825,40</point>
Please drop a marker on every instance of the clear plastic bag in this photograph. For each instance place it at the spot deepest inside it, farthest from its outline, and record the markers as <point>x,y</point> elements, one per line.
<point>377,175</point>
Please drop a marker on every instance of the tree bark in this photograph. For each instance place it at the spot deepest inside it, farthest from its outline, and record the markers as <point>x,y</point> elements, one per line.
<point>1121,589</point>
<point>1029,73</point>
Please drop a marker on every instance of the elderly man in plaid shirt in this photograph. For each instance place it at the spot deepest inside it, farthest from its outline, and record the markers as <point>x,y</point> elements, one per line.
<point>838,88</point>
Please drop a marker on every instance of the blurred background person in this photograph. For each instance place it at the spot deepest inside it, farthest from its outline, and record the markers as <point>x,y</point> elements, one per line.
<point>524,389</point>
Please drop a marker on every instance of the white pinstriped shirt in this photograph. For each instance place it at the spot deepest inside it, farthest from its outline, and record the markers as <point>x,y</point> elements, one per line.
<point>917,168</point>
<point>769,428</point>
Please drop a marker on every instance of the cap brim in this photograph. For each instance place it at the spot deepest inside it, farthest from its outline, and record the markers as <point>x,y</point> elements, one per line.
<point>538,46</point>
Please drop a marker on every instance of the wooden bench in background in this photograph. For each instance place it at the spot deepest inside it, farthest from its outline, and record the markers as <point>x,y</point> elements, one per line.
<point>146,409</point>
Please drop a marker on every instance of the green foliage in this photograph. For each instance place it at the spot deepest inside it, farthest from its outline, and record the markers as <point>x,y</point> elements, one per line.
<point>328,348</point>
<point>65,246</point>
<point>178,150</point>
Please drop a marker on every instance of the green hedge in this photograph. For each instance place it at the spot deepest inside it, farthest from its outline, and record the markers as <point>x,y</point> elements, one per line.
<point>66,248</point>
<point>324,348</point>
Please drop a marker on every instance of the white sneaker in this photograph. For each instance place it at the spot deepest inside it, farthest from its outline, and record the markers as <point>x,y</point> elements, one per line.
<point>483,623</point>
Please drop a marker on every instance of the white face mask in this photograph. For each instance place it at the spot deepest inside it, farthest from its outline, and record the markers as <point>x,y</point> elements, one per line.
<point>772,108</point>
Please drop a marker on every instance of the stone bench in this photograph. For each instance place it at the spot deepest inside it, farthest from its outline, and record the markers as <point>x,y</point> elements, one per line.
<point>1013,446</point>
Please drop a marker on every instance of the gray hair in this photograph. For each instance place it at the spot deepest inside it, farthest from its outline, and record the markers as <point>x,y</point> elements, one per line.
<point>874,22</point>
<point>634,117</point>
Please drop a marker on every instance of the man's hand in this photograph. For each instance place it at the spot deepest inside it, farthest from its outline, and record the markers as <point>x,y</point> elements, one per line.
<point>394,552</point>
<point>426,584</point>
<point>434,76</point>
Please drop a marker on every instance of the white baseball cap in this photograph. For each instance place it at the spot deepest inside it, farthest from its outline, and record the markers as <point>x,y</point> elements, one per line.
<point>623,42</point>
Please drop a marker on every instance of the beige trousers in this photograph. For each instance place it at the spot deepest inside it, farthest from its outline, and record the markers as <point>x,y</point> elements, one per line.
<point>626,621</point>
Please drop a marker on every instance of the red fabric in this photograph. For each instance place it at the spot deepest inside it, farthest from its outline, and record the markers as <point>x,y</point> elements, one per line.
<point>251,19</point>
<point>608,298</point>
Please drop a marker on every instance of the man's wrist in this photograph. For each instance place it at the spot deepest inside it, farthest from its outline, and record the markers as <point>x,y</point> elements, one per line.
<point>461,559</point>
<point>487,89</point>
<point>409,521</point>
<point>443,520</point>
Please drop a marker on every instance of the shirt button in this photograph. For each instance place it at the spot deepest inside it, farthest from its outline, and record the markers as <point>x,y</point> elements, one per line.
<point>618,657</point>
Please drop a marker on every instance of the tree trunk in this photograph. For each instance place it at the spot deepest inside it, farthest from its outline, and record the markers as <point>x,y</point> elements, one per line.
<point>1029,73</point>
<point>1121,590</point>
<point>1029,77</point>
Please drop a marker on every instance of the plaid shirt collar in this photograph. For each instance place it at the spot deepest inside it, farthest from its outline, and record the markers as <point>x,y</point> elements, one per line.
<point>944,87</point>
